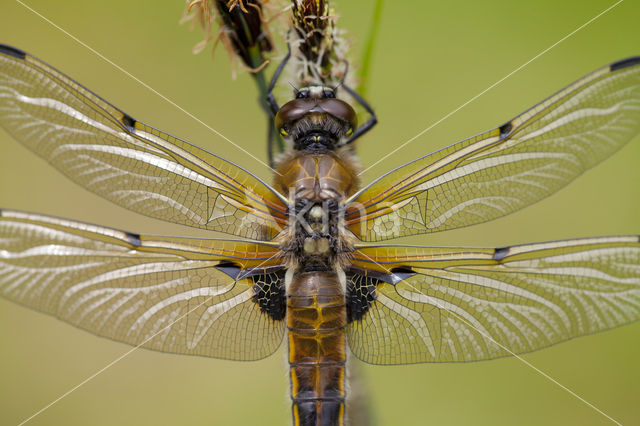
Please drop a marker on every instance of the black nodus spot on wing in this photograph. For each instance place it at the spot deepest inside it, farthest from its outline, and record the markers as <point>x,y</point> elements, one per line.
<point>501,253</point>
<point>12,51</point>
<point>624,63</point>
<point>229,268</point>
<point>133,239</point>
<point>505,129</point>
<point>129,122</point>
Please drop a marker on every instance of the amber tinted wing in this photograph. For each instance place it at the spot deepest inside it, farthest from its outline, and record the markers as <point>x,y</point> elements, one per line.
<point>128,162</point>
<point>162,293</point>
<point>473,304</point>
<point>509,167</point>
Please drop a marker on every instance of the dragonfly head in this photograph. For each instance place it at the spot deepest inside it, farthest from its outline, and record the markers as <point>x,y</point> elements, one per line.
<point>316,120</point>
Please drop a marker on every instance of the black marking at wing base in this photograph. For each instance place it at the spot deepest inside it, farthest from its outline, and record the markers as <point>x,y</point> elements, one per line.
<point>399,274</point>
<point>12,51</point>
<point>500,253</point>
<point>624,63</point>
<point>361,288</point>
<point>270,295</point>
<point>268,286</point>
<point>393,277</point>
<point>361,293</point>
<point>230,268</point>
<point>505,129</point>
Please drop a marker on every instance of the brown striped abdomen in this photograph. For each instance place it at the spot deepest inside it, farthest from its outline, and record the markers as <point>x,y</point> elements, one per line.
<point>316,320</point>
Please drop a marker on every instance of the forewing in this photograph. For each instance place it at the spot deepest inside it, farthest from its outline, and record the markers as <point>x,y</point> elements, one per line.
<point>160,293</point>
<point>132,164</point>
<point>509,167</point>
<point>475,304</point>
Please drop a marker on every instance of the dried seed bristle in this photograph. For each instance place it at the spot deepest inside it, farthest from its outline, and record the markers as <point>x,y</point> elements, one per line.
<point>239,25</point>
<point>321,49</point>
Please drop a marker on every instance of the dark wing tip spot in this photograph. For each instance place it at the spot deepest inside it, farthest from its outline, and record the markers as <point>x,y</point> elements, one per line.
<point>12,51</point>
<point>505,129</point>
<point>624,63</point>
<point>133,239</point>
<point>501,253</point>
<point>129,122</point>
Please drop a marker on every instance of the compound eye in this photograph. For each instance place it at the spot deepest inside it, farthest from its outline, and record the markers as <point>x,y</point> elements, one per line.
<point>302,94</point>
<point>328,93</point>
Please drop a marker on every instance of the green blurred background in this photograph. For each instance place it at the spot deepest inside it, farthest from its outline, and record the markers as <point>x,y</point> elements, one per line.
<point>430,58</point>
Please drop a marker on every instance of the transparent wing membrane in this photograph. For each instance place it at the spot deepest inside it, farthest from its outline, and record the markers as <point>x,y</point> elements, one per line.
<point>132,164</point>
<point>507,168</point>
<point>226,299</point>
<point>164,293</point>
<point>474,304</point>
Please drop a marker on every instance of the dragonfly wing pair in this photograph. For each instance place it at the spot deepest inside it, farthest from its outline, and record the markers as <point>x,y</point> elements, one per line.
<point>450,305</point>
<point>469,304</point>
<point>123,160</point>
<point>510,167</point>
<point>223,298</point>
<point>163,293</point>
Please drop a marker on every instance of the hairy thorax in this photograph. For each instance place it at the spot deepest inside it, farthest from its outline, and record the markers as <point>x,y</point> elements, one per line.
<point>317,184</point>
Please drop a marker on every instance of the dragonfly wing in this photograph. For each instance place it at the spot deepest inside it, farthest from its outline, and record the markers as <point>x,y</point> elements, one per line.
<point>134,165</point>
<point>460,304</point>
<point>510,167</point>
<point>162,293</point>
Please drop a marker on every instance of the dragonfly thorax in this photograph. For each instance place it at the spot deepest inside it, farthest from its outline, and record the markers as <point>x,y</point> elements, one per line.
<point>318,240</point>
<point>316,232</point>
<point>317,185</point>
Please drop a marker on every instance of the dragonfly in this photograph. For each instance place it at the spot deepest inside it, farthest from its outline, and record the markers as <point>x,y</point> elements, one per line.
<point>307,265</point>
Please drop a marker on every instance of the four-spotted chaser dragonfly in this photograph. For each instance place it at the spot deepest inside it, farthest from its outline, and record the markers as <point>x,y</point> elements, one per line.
<point>303,272</point>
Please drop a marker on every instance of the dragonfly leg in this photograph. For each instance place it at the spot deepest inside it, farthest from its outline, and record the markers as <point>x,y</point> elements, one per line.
<point>273,139</point>
<point>271,100</point>
<point>373,119</point>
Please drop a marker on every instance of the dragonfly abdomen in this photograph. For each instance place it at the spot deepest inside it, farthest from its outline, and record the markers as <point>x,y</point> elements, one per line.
<point>316,320</point>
